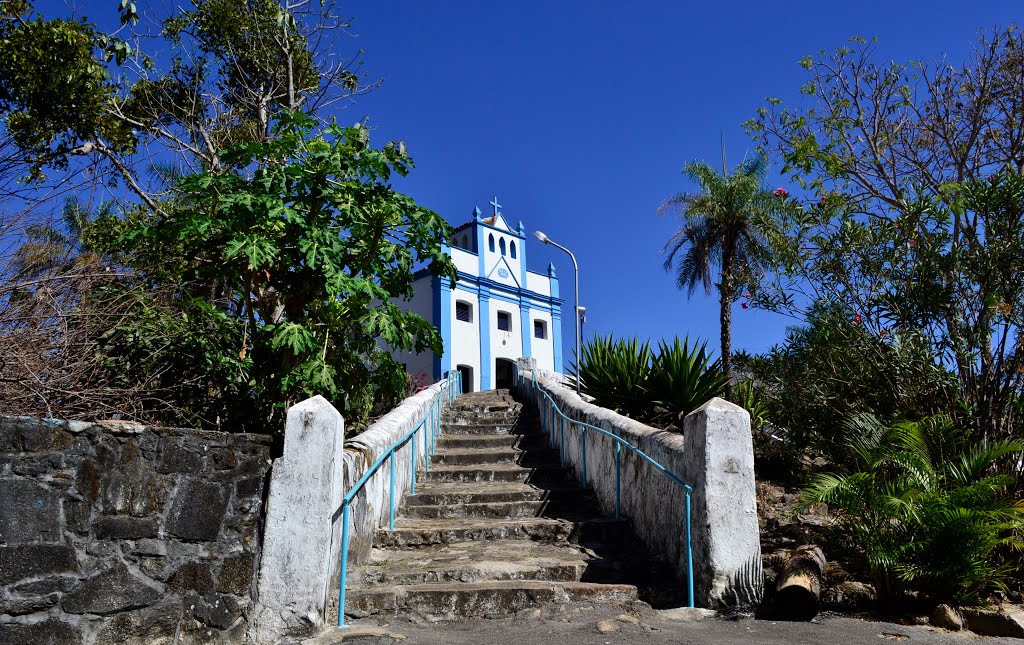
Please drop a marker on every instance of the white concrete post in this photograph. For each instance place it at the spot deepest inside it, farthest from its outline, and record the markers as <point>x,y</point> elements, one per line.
<point>726,539</point>
<point>301,538</point>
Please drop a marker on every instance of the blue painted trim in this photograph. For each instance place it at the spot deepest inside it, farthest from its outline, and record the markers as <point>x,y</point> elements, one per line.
<point>480,249</point>
<point>472,284</point>
<point>556,340</point>
<point>556,320</point>
<point>527,328</point>
<point>484,298</point>
<point>443,322</point>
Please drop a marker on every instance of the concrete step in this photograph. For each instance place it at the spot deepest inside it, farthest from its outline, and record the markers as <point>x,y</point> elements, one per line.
<point>498,473</point>
<point>472,562</point>
<point>459,600</point>
<point>476,427</point>
<point>418,532</point>
<point>505,510</point>
<point>490,455</point>
<point>430,493</point>
<point>527,441</point>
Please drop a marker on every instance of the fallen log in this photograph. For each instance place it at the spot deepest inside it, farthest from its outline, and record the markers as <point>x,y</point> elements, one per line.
<point>798,588</point>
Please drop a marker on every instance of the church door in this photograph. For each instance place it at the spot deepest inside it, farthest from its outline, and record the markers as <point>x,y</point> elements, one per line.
<point>503,373</point>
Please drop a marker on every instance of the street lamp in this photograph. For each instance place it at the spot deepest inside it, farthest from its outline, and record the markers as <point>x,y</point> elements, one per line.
<point>576,270</point>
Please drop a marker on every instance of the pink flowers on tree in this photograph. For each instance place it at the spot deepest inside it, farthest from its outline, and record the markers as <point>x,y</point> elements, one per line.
<point>781,193</point>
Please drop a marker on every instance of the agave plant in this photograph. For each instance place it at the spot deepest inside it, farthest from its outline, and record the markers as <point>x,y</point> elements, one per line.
<point>626,376</point>
<point>614,372</point>
<point>926,508</point>
<point>752,398</point>
<point>683,378</point>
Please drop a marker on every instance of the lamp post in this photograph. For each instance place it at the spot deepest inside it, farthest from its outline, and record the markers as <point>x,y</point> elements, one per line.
<point>576,273</point>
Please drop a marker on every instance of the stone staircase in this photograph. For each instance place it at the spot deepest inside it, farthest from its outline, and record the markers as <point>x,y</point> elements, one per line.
<point>497,526</point>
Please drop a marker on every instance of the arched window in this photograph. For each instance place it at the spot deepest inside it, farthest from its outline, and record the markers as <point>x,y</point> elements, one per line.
<point>512,249</point>
<point>490,242</point>
<point>465,241</point>
<point>501,243</point>
<point>455,241</point>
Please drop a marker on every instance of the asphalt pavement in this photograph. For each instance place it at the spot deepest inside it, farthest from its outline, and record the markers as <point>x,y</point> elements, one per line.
<point>636,623</point>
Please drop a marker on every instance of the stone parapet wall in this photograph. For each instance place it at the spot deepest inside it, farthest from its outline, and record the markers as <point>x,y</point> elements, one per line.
<point>714,455</point>
<point>370,506</point>
<point>120,533</point>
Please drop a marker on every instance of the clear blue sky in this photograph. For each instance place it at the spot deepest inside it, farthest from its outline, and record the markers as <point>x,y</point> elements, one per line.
<point>580,115</point>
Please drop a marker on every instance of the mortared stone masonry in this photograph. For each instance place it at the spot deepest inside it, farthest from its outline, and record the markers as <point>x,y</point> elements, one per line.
<point>121,533</point>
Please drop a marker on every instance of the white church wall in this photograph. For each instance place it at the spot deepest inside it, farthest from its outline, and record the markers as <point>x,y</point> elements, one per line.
<point>542,349</point>
<point>465,341</point>
<point>505,344</point>
<point>422,303</point>
<point>465,261</point>
<point>538,283</point>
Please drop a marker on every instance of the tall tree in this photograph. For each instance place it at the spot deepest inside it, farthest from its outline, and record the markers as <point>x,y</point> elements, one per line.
<point>722,228</point>
<point>915,218</point>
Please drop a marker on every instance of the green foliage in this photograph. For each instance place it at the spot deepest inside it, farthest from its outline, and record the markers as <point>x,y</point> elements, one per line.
<point>297,263</point>
<point>53,90</point>
<point>834,368</point>
<point>924,508</point>
<point>626,376</point>
<point>722,227</point>
<point>615,372</point>
<point>682,378</point>
<point>919,234</point>
<point>752,398</point>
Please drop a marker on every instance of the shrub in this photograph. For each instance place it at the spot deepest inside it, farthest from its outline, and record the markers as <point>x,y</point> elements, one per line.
<point>925,509</point>
<point>626,376</point>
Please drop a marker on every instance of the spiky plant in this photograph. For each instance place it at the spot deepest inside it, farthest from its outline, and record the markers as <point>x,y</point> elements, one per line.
<point>926,508</point>
<point>682,378</point>
<point>614,372</point>
<point>626,376</point>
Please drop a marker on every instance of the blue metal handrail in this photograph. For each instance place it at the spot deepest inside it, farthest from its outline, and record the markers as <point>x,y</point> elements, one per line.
<point>450,389</point>
<point>619,443</point>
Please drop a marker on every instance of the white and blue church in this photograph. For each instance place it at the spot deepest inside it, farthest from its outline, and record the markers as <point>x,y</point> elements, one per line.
<point>497,312</point>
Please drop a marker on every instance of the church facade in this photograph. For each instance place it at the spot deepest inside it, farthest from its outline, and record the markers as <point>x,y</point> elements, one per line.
<point>498,310</point>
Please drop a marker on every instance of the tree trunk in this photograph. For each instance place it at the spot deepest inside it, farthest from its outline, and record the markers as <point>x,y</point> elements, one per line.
<point>725,320</point>
<point>798,589</point>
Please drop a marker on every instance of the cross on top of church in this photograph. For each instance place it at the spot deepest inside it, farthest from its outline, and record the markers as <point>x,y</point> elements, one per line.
<point>496,205</point>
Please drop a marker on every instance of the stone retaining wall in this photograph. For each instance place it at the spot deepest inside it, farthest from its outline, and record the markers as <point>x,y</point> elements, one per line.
<point>119,533</point>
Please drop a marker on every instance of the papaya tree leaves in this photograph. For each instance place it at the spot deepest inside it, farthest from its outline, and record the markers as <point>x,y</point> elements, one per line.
<point>314,247</point>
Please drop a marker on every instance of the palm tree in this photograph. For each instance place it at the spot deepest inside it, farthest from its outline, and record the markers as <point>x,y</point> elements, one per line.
<point>721,228</point>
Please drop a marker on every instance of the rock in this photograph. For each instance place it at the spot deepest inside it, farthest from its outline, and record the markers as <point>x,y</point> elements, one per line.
<point>236,575</point>
<point>198,510</point>
<point>22,606</point>
<point>150,547</point>
<point>626,618</point>
<point>214,610</point>
<point>130,486</point>
<point>685,614</point>
<point>192,576</point>
<point>47,632</point>
<point>109,592</point>
<point>77,515</point>
<point>28,512</point>
<point>45,586</point>
<point>145,626</point>
<point>176,459</point>
<point>849,596</point>
<point>22,561</point>
<point>607,626</point>
<point>126,528</point>
<point>1006,620</point>
<point>946,617</point>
